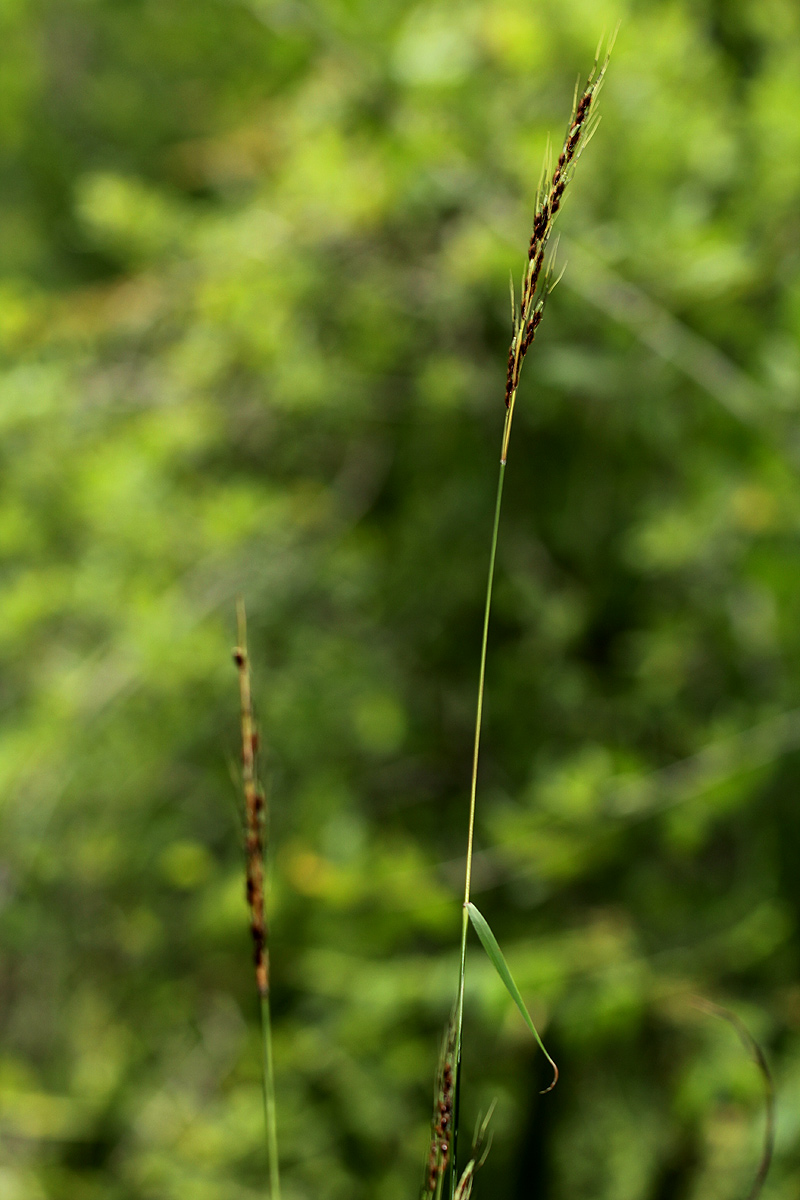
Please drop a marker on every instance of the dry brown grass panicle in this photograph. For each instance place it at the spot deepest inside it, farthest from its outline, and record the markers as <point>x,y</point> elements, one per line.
<point>254,811</point>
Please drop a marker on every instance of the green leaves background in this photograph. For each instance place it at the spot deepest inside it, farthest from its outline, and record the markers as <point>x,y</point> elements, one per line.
<point>253,327</point>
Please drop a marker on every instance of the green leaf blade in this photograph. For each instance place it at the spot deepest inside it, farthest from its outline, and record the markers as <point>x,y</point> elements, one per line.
<point>495,954</point>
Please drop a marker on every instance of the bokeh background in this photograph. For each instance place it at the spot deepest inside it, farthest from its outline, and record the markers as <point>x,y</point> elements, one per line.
<point>254,262</point>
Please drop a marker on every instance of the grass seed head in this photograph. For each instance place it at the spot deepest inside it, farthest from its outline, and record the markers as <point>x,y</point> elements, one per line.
<point>537,279</point>
<point>254,804</point>
<point>442,1122</point>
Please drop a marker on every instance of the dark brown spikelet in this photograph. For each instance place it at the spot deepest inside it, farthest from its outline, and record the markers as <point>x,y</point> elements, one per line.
<point>537,280</point>
<point>530,330</point>
<point>538,263</point>
<point>254,802</point>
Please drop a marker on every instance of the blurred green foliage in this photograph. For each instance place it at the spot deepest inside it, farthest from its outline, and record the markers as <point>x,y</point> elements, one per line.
<point>253,326</point>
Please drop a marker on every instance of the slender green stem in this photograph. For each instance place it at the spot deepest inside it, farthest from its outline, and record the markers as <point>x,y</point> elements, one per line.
<point>439,1182</point>
<point>269,1100</point>
<point>474,790</point>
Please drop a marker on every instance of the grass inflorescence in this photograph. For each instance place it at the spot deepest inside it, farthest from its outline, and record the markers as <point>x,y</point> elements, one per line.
<point>441,1169</point>
<point>444,1175</point>
<point>442,1122</point>
<point>255,824</point>
<point>526,317</point>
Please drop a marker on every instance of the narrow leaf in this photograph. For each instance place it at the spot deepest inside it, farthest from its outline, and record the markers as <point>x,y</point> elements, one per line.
<point>757,1054</point>
<point>489,943</point>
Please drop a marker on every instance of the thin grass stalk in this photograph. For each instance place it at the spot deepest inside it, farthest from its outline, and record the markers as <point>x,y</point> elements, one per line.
<point>759,1058</point>
<point>270,1121</point>
<point>474,792</point>
<point>537,283</point>
<point>255,818</point>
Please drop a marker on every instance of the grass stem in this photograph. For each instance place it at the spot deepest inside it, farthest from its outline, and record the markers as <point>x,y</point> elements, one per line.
<point>474,788</point>
<point>526,316</point>
<point>270,1120</point>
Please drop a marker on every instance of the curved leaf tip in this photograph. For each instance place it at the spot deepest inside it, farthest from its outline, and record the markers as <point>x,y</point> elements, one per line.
<point>489,943</point>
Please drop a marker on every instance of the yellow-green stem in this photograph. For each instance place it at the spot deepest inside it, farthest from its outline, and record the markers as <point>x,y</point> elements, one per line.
<point>439,1182</point>
<point>474,788</point>
<point>269,1100</point>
